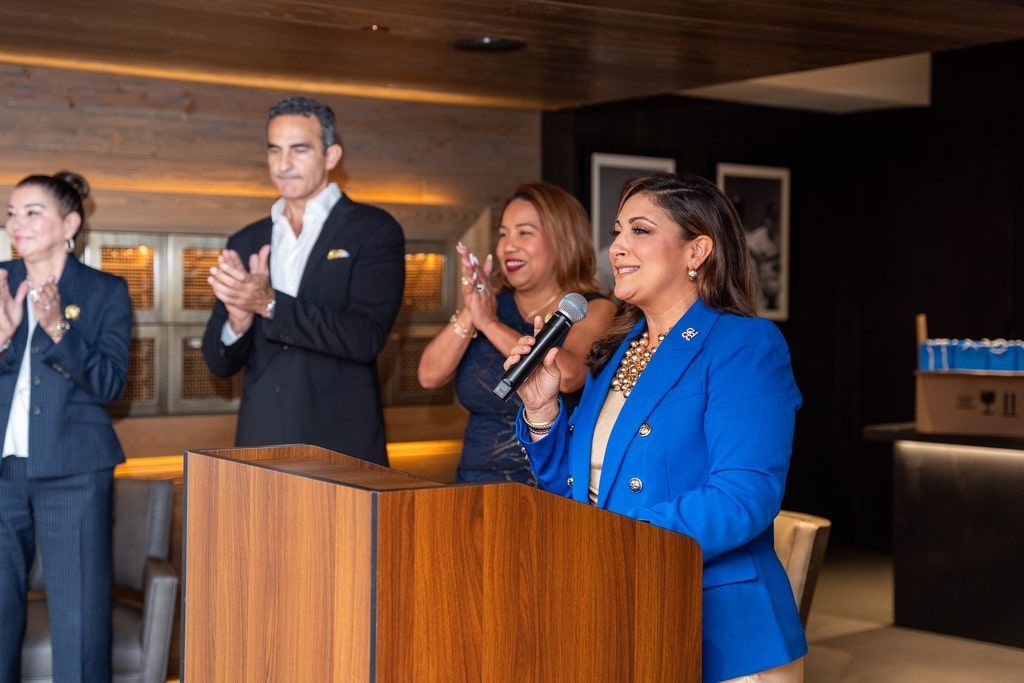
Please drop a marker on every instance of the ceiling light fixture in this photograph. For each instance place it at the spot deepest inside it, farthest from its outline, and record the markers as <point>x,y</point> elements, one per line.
<point>489,44</point>
<point>377,28</point>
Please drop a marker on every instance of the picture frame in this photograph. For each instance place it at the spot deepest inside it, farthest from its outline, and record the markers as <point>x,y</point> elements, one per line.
<point>608,174</point>
<point>761,197</point>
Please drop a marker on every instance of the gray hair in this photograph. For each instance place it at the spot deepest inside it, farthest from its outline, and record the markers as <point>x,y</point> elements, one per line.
<point>307,106</point>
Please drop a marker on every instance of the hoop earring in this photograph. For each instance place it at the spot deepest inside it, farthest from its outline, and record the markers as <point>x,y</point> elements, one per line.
<point>692,274</point>
<point>69,244</point>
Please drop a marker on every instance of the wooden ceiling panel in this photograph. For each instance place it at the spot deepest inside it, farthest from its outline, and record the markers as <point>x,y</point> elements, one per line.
<point>578,52</point>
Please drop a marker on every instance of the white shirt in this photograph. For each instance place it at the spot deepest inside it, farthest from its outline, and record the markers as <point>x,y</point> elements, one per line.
<point>289,252</point>
<point>16,438</point>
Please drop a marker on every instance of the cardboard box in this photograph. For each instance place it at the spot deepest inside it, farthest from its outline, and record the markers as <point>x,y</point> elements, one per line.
<point>986,403</point>
<point>989,403</point>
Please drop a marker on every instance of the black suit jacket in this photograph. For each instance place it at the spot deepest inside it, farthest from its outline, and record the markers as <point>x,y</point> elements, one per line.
<point>311,372</point>
<point>69,431</point>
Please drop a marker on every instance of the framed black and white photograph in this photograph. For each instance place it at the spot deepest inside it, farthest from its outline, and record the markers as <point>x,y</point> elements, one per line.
<point>761,197</point>
<point>608,174</point>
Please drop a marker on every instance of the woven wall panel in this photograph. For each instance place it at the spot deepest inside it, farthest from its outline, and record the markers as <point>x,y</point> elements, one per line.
<point>424,282</point>
<point>409,391</point>
<point>197,382</point>
<point>135,265</point>
<point>197,295</point>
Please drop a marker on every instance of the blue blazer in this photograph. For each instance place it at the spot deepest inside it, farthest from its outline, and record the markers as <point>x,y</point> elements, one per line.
<point>701,447</point>
<point>69,430</point>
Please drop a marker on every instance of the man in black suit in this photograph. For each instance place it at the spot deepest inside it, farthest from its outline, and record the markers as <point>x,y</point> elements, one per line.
<point>312,311</point>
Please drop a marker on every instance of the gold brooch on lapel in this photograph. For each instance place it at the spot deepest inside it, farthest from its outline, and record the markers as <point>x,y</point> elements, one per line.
<point>337,253</point>
<point>71,312</point>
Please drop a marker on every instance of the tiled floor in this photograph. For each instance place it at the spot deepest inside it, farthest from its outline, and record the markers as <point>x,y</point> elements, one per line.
<point>852,638</point>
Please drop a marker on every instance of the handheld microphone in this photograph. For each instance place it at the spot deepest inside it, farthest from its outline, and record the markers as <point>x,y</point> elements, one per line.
<point>571,309</point>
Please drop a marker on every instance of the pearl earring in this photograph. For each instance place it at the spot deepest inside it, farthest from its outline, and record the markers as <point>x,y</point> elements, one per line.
<point>692,274</point>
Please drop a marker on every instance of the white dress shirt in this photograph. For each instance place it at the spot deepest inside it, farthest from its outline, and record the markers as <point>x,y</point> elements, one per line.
<point>289,252</point>
<point>16,437</point>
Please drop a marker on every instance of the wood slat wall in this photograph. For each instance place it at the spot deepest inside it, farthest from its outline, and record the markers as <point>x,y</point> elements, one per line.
<point>171,156</point>
<point>174,156</point>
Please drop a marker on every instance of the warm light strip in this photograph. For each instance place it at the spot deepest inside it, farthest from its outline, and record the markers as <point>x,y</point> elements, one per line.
<point>242,191</point>
<point>417,449</point>
<point>250,80</point>
<point>163,465</point>
<point>151,467</point>
<point>166,187</point>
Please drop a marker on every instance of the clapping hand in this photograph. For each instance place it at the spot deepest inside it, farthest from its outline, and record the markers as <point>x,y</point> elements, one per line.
<point>244,293</point>
<point>477,293</point>
<point>46,307</point>
<point>11,308</point>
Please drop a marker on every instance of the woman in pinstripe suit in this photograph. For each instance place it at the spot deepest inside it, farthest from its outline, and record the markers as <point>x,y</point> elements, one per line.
<point>64,338</point>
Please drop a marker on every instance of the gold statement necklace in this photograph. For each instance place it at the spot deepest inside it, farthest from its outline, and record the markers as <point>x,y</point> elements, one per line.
<point>633,363</point>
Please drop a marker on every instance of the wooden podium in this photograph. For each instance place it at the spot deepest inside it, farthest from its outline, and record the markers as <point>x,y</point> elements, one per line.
<point>305,565</point>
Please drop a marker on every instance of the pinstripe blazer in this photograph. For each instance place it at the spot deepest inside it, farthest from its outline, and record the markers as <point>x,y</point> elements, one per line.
<point>701,447</point>
<point>71,382</point>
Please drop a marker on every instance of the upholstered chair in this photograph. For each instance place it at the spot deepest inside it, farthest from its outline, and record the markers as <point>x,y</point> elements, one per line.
<point>144,595</point>
<point>800,542</point>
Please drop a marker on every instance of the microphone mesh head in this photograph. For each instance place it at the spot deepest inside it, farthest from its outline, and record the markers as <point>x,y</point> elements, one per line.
<point>573,306</point>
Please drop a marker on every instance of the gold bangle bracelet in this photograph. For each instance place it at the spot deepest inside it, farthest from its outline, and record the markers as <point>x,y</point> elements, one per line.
<point>461,331</point>
<point>540,427</point>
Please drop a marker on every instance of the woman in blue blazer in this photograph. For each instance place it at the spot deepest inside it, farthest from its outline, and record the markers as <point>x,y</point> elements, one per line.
<point>64,337</point>
<point>686,420</point>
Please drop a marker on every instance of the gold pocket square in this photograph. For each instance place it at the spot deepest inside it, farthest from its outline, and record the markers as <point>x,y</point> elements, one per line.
<point>337,253</point>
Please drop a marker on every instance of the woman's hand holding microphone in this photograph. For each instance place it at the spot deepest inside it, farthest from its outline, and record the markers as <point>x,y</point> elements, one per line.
<point>540,390</point>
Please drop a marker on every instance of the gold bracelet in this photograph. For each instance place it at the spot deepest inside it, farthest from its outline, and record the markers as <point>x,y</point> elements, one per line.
<point>459,329</point>
<point>540,427</point>
<point>61,327</point>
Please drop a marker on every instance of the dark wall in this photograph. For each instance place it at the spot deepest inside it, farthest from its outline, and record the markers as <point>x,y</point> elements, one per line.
<point>892,213</point>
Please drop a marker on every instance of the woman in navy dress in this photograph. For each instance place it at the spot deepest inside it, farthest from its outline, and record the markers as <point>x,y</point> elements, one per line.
<point>544,251</point>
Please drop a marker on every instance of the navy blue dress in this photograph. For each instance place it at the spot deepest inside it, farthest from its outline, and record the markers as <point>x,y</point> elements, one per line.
<point>490,450</point>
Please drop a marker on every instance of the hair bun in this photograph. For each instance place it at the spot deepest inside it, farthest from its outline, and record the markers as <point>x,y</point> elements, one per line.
<point>77,182</point>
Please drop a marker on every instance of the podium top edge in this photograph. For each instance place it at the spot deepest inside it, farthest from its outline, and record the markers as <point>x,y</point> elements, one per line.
<point>322,464</point>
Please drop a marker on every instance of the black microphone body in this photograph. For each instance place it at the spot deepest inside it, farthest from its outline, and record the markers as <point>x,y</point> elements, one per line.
<point>552,333</point>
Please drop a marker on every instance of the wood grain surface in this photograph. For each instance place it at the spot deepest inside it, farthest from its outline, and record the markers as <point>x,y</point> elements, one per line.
<point>577,52</point>
<point>294,573</point>
<point>277,583</point>
<point>504,582</point>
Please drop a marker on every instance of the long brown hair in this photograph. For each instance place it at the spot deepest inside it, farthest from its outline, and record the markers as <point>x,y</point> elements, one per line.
<point>725,281</point>
<point>565,223</point>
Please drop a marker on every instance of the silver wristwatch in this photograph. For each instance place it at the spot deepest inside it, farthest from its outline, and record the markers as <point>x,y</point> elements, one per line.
<point>269,313</point>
